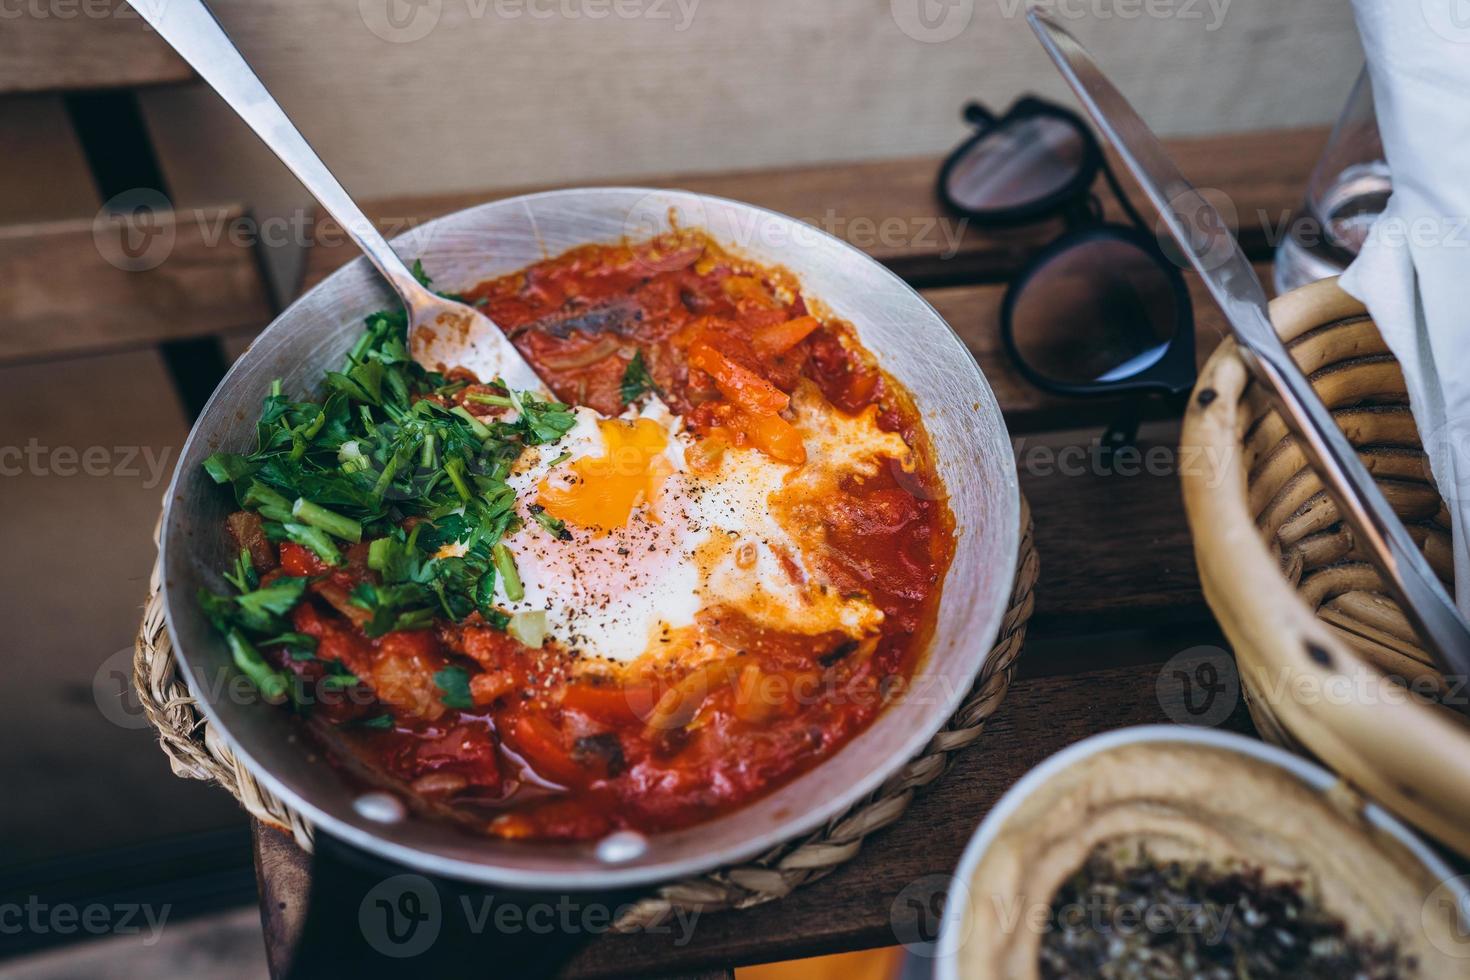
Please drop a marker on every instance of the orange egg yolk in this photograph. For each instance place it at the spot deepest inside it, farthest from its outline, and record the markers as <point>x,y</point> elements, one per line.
<point>600,492</point>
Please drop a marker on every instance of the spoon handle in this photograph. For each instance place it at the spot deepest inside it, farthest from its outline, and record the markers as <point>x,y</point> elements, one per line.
<point>192,29</point>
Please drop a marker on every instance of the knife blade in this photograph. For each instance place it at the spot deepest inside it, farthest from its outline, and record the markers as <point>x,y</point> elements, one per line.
<point>1206,240</point>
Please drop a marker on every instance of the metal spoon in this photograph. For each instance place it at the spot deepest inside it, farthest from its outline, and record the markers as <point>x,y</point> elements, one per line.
<point>441,332</point>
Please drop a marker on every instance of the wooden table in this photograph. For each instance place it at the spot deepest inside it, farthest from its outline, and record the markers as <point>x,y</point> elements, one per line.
<point>1117,598</point>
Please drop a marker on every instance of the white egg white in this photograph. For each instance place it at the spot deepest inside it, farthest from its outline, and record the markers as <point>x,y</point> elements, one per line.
<point>740,537</point>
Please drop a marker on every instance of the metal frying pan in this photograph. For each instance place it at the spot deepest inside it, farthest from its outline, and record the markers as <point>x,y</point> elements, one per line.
<point>909,338</point>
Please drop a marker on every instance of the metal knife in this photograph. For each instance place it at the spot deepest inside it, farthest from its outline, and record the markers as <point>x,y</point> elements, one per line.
<point>1206,239</point>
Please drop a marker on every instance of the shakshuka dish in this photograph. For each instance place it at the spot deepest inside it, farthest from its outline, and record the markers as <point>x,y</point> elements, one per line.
<point>703,570</point>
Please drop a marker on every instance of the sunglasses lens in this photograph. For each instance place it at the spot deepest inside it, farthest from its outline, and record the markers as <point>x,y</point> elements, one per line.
<point>1017,163</point>
<point>1101,311</point>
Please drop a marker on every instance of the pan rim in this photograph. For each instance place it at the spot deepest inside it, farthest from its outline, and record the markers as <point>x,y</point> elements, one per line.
<point>592,873</point>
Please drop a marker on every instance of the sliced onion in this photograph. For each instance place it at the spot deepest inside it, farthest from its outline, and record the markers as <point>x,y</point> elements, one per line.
<point>602,348</point>
<point>528,628</point>
<point>439,784</point>
<point>351,456</point>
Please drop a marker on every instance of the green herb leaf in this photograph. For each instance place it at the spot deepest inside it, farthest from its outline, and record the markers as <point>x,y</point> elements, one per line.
<point>637,382</point>
<point>505,563</point>
<point>228,467</point>
<point>362,383</point>
<point>449,529</point>
<point>336,682</point>
<point>330,521</point>
<point>542,422</point>
<point>314,539</point>
<point>396,557</point>
<point>271,683</point>
<point>299,645</point>
<point>454,682</point>
<point>278,598</point>
<point>488,398</point>
<point>485,595</point>
<point>271,505</point>
<point>554,526</point>
<point>406,606</point>
<point>260,611</point>
<point>243,576</point>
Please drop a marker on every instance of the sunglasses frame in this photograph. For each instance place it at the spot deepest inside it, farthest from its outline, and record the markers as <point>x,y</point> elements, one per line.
<point>1174,372</point>
<point>1070,195</point>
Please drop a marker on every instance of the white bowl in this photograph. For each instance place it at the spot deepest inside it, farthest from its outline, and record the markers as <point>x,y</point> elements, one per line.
<point>953,928</point>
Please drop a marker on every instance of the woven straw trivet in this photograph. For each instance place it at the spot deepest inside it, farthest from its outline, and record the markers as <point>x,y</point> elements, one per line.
<point>197,752</point>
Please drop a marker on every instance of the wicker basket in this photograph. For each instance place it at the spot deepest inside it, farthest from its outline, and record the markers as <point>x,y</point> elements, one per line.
<point>1328,663</point>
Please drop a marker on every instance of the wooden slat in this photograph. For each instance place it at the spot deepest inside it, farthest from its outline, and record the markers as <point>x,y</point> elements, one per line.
<point>850,909</point>
<point>889,208</point>
<point>1059,647</point>
<point>1114,546</point>
<point>71,45</point>
<point>60,294</point>
<point>39,139</point>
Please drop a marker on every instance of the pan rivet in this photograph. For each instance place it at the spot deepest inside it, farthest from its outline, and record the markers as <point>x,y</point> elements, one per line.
<point>379,807</point>
<point>622,846</point>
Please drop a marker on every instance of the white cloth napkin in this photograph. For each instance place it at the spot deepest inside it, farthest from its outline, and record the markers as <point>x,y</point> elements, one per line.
<point>1414,270</point>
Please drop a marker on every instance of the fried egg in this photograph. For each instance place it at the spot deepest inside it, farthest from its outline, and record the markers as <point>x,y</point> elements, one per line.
<point>653,540</point>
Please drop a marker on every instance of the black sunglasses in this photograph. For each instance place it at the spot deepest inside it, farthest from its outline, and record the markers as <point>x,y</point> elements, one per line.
<point>1099,311</point>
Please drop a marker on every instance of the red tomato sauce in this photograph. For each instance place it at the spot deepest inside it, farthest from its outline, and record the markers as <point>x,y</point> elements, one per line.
<point>550,751</point>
